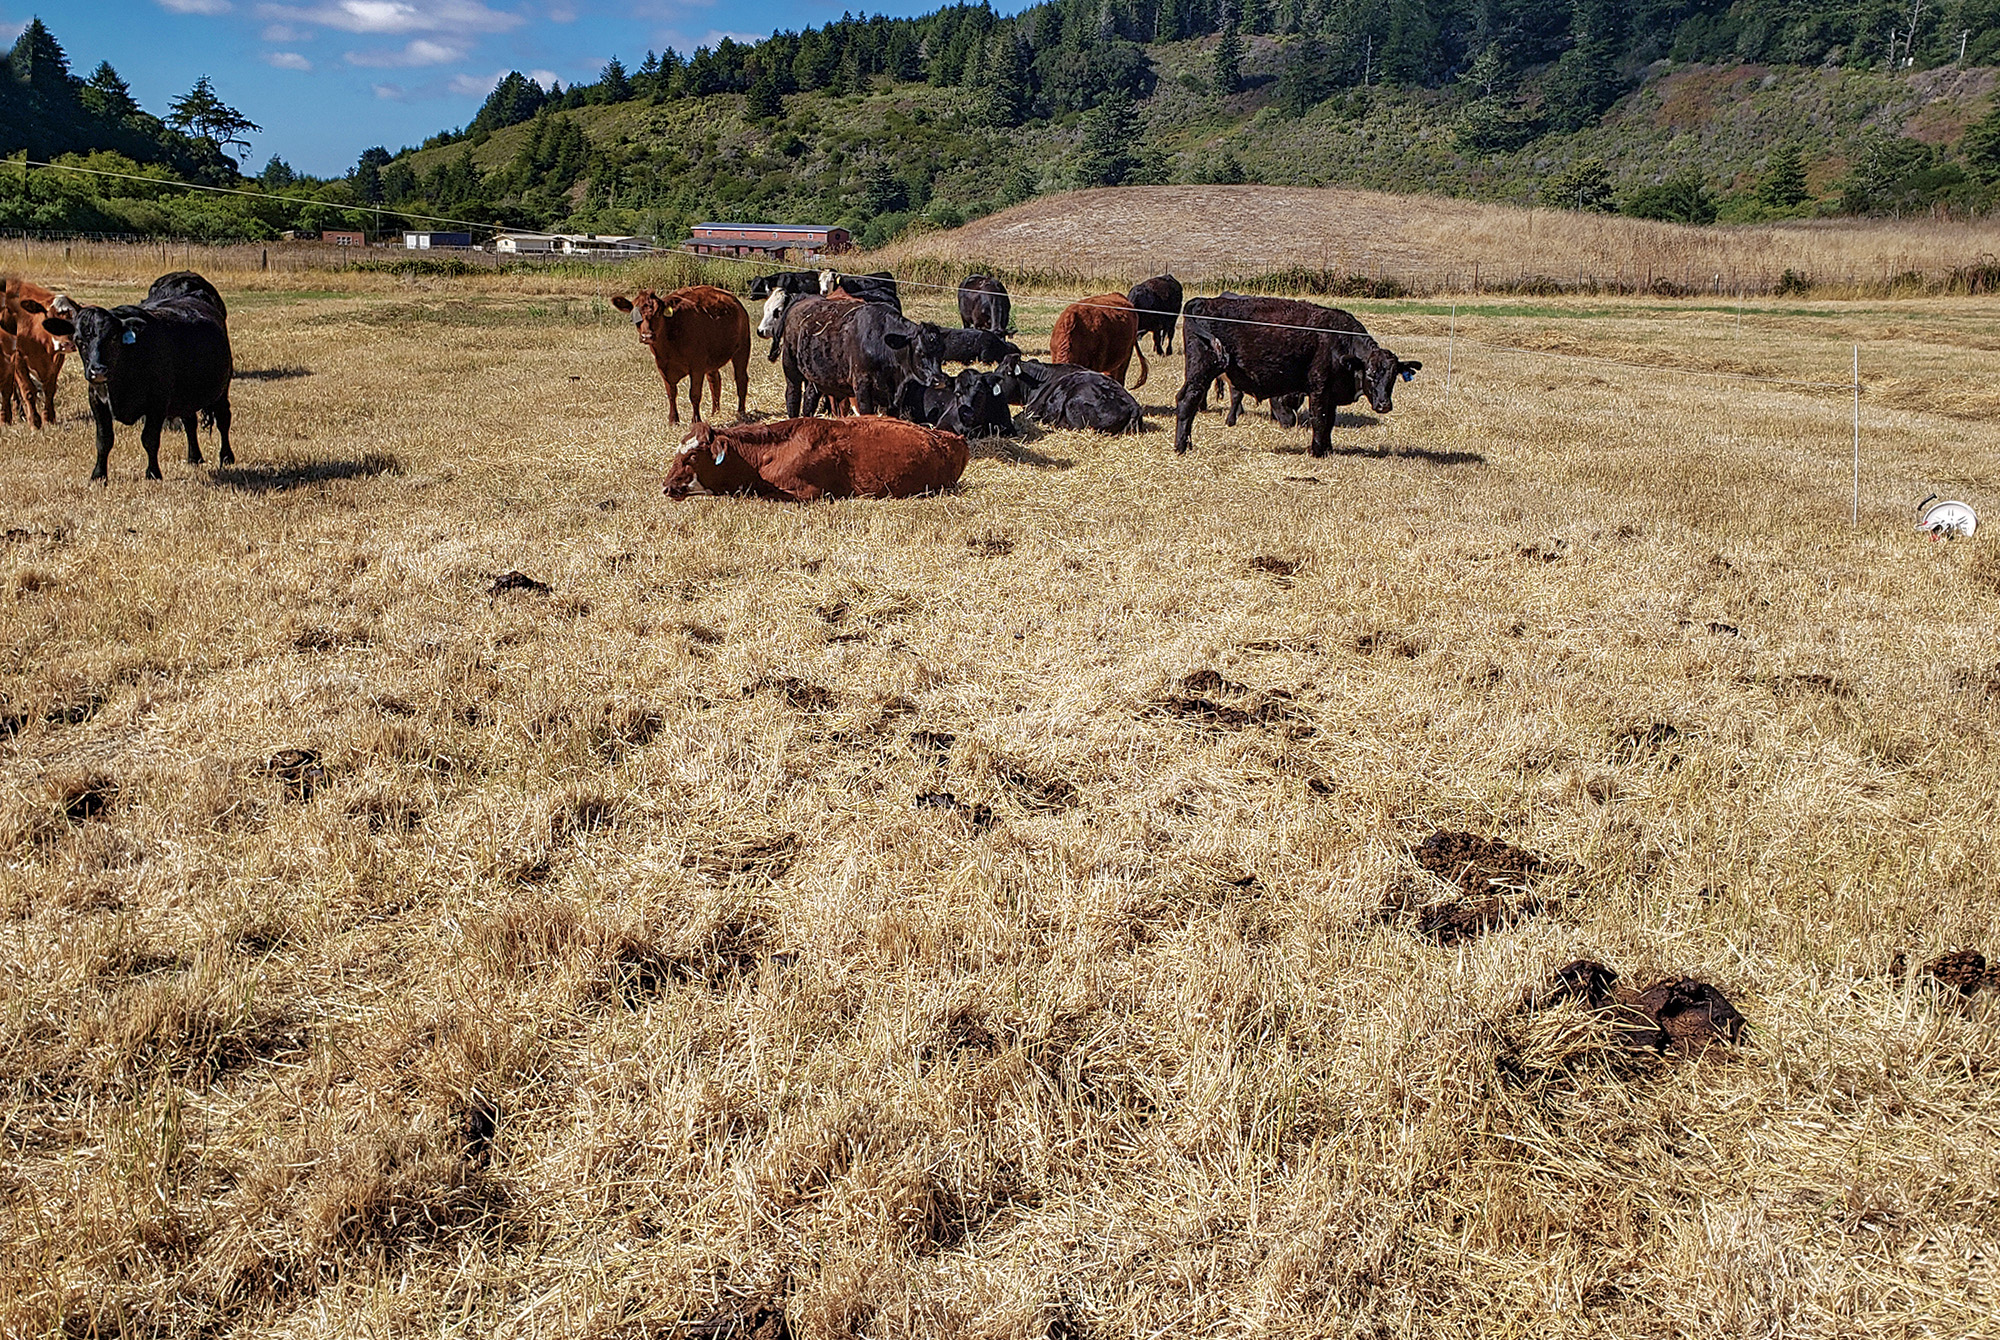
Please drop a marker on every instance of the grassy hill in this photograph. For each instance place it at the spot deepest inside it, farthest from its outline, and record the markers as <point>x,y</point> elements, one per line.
<point>904,154</point>
<point>1302,237</point>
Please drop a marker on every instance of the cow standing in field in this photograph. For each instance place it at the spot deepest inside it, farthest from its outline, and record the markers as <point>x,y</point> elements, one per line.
<point>845,350</point>
<point>1158,301</point>
<point>1274,347</point>
<point>693,333</point>
<point>1100,333</point>
<point>1285,408</point>
<point>31,355</point>
<point>166,358</point>
<point>797,282</point>
<point>801,460</point>
<point>878,287</point>
<point>983,304</point>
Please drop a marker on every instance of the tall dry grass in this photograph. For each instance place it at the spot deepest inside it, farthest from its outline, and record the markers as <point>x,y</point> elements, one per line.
<point>381,954</point>
<point>1212,234</point>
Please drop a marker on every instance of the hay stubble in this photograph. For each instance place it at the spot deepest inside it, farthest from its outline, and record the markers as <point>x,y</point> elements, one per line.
<point>390,947</point>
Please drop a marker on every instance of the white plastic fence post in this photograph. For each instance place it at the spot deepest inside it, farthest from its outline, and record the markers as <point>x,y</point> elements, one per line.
<point>1451,345</point>
<point>1856,518</point>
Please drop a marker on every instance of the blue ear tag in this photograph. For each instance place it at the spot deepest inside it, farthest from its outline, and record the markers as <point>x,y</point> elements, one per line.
<point>131,337</point>
<point>1409,373</point>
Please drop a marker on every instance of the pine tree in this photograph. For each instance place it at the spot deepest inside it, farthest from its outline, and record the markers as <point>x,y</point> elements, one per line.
<point>108,97</point>
<point>1784,182</point>
<point>763,100</point>
<point>200,113</point>
<point>1228,77</point>
<point>1110,132</point>
<point>1004,102</point>
<point>613,84</point>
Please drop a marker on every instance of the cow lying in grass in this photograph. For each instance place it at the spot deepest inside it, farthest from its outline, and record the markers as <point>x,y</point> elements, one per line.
<point>801,460</point>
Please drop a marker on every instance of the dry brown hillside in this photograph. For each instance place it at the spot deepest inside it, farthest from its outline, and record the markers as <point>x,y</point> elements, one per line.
<point>1210,232</point>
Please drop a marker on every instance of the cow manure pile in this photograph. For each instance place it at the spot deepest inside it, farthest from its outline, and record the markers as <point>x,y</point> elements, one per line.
<point>992,546</point>
<point>516,580</point>
<point>803,694</point>
<point>1492,881</point>
<point>89,799</point>
<point>979,816</point>
<point>763,1324</point>
<point>1962,970</point>
<point>1199,699</point>
<point>1378,642</point>
<point>299,771</point>
<point>1676,1014</point>
<point>1284,569</point>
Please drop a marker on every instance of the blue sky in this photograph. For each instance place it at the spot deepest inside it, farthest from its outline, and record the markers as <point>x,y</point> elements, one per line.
<point>328,78</point>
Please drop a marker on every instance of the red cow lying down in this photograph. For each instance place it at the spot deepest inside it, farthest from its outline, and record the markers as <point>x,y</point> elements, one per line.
<point>802,459</point>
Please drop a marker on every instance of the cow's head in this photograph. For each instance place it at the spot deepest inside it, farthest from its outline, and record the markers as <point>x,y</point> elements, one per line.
<point>708,462</point>
<point>827,279</point>
<point>1380,374</point>
<point>102,338</point>
<point>774,308</point>
<point>649,313</point>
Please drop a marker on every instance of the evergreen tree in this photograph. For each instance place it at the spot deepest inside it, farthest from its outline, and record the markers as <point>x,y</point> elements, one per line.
<point>1110,132</point>
<point>108,97</point>
<point>1307,78</point>
<point>1784,182</point>
<point>613,85</point>
<point>1584,185</point>
<point>513,100</point>
<point>200,113</point>
<point>763,100</point>
<point>1981,149</point>
<point>47,97</point>
<point>1006,98</point>
<point>1228,75</point>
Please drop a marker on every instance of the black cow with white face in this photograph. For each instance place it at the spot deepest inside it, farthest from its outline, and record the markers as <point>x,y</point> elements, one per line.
<point>166,358</point>
<point>1277,347</point>
<point>858,351</point>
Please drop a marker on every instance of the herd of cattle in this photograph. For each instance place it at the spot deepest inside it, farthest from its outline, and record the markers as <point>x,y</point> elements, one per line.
<point>898,419</point>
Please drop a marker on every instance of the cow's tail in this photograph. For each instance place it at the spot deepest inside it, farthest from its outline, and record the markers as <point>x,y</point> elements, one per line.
<point>1144,371</point>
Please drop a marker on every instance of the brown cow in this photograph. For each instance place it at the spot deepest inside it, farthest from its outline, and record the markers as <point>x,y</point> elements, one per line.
<point>29,355</point>
<point>803,459</point>
<point>1102,334</point>
<point>693,333</point>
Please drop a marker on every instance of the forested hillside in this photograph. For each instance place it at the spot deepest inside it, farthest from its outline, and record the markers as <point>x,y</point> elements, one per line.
<point>1689,110</point>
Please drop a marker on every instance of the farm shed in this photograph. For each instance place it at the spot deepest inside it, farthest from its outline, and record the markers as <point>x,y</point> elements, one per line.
<point>427,241</point>
<point>526,244</point>
<point>770,240</point>
<point>344,237</point>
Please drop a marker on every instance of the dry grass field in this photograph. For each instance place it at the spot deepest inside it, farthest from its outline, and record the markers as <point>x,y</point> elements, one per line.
<point>389,950</point>
<point>1432,243</point>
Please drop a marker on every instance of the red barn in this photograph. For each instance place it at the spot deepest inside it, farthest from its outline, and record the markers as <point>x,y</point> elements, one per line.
<point>769,240</point>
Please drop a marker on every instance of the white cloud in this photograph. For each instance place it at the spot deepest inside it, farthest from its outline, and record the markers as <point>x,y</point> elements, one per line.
<point>479,85</point>
<point>197,6</point>
<point>393,17</point>
<point>284,32</point>
<point>390,92</point>
<point>420,52</point>
<point>287,60</point>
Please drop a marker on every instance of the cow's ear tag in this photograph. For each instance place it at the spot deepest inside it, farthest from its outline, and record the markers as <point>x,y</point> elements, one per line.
<point>1409,373</point>
<point>720,452</point>
<point>130,337</point>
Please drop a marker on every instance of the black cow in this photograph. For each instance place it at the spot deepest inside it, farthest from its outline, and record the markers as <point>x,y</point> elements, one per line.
<point>1081,398</point>
<point>983,304</point>
<point>1020,378</point>
<point>859,351</point>
<point>970,404</point>
<point>188,284</point>
<point>1274,347</point>
<point>878,287</point>
<point>800,282</point>
<point>1285,408</point>
<point>167,358</point>
<point>1159,302</point>
<point>974,346</point>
